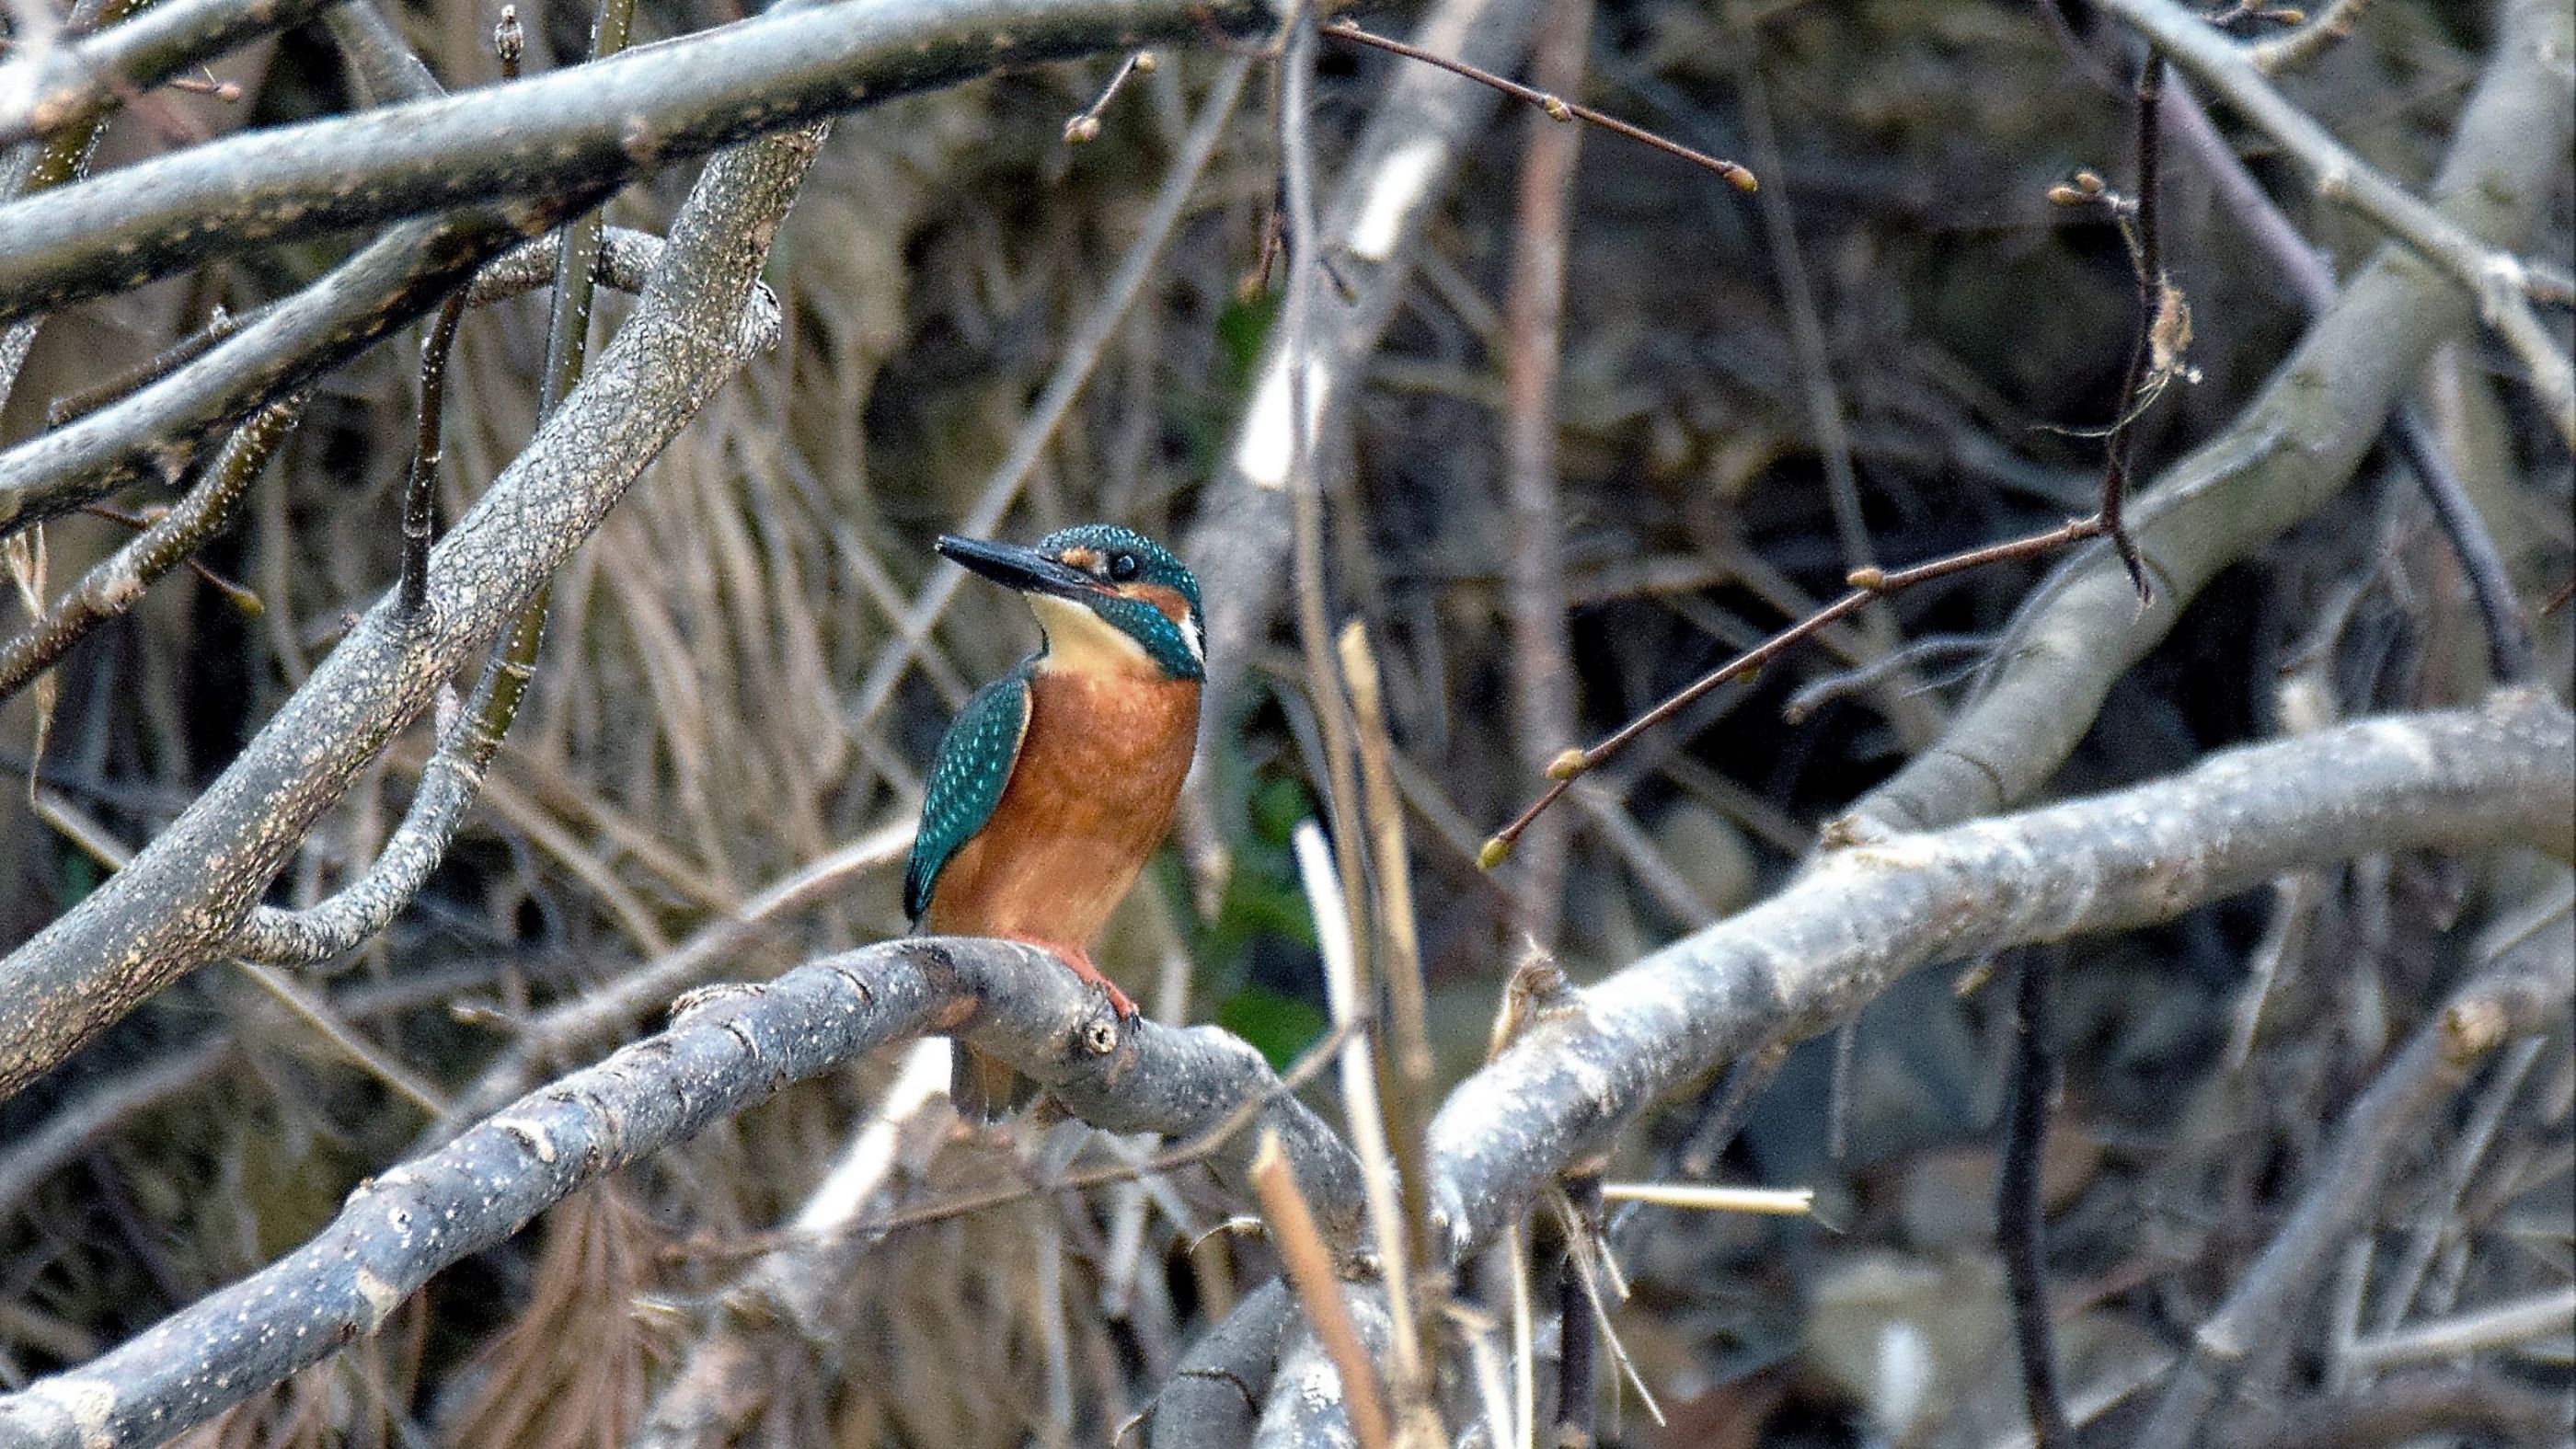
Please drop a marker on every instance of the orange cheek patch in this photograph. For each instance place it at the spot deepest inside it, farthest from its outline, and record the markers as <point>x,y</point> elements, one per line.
<point>1166,601</point>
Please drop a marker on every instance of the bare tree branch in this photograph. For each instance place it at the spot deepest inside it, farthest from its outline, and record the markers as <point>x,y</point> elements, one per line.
<point>2288,453</point>
<point>2502,774</point>
<point>2523,992</point>
<point>587,129</point>
<point>1215,1395</point>
<point>727,1050</point>
<point>52,87</point>
<point>2463,780</point>
<point>2490,272</point>
<point>156,431</point>
<point>173,908</point>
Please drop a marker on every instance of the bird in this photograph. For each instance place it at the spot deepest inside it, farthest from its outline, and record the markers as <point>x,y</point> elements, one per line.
<point>1056,781</point>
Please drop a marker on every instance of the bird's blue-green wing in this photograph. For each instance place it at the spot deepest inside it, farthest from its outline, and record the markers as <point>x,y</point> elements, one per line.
<point>967,780</point>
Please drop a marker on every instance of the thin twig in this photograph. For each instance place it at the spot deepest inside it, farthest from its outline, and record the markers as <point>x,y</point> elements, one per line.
<point>74,405</point>
<point>2020,1216</point>
<point>241,596</point>
<point>2494,276</point>
<point>1542,653</point>
<point>1556,107</point>
<point>1309,1264</point>
<point>2152,293</point>
<point>117,582</point>
<point>1404,1050</point>
<point>2493,1327</point>
<point>420,481</point>
<point>1086,126</point>
<point>1867,584</point>
<point>1364,1118</point>
<point>2305,42</point>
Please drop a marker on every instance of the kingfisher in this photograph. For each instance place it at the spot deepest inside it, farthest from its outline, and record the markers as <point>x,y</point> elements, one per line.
<point>1057,780</point>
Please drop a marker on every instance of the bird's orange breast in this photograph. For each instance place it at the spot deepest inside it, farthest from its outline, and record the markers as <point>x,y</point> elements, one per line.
<point>1090,795</point>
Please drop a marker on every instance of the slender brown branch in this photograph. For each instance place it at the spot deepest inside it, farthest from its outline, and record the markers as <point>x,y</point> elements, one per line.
<point>242,596</point>
<point>2152,293</point>
<point>72,406</point>
<point>1542,654</point>
<point>1557,107</point>
<point>1318,1284</point>
<point>1867,584</point>
<point>113,587</point>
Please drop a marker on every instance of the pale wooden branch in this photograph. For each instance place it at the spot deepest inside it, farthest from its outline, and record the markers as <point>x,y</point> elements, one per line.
<point>2534,1316</point>
<point>727,1050</point>
<point>1215,1395</point>
<point>2284,457</point>
<point>2509,646</point>
<point>1579,1071</point>
<point>2463,780</point>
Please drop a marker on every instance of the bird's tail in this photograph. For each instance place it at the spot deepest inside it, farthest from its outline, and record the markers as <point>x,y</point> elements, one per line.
<point>985,1088</point>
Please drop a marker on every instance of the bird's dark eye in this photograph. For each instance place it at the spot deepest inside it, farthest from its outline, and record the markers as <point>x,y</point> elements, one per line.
<point>1122,567</point>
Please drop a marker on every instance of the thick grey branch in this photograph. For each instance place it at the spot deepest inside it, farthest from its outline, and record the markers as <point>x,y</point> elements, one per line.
<point>2283,458</point>
<point>1215,1395</point>
<point>156,430</point>
<point>727,1050</point>
<point>587,129</point>
<point>364,906</point>
<point>1865,915</point>
<point>175,906</point>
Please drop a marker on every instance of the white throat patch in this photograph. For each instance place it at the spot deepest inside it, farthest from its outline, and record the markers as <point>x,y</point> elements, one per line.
<point>1082,642</point>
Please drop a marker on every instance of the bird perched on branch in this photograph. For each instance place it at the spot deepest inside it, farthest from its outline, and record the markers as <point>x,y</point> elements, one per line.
<point>1057,780</point>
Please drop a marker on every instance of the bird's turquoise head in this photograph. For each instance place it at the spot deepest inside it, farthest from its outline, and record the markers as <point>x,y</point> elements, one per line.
<point>1110,599</point>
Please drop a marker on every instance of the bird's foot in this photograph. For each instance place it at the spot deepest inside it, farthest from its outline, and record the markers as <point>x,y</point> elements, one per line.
<point>1079,960</point>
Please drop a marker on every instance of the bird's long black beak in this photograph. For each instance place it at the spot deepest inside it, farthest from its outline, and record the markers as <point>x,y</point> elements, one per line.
<point>1016,566</point>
